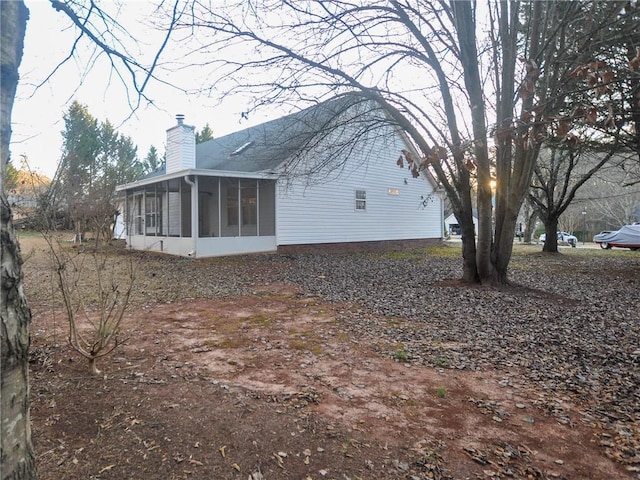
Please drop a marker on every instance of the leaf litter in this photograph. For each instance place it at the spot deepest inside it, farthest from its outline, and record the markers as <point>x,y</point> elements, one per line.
<point>271,351</point>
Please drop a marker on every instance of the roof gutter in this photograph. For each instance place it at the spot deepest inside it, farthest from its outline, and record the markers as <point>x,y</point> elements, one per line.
<point>199,172</point>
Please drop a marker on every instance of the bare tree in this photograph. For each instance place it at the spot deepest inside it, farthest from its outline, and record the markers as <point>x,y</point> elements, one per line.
<point>618,209</point>
<point>593,79</point>
<point>530,217</point>
<point>94,309</point>
<point>610,73</point>
<point>613,199</point>
<point>559,173</point>
<point>431,67</point>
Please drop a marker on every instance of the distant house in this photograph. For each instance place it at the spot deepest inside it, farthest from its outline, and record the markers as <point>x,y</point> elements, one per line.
<point>324,175</point>
<point>23,197</point>
<point>452,226</point>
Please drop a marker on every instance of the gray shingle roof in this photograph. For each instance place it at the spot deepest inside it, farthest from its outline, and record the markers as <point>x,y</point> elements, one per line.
<point>264,147</point>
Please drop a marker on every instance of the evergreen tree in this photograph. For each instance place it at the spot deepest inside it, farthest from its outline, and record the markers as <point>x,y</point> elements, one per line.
<point>10,177</point>
<point>95,159</point>
<point>152,161</point>
<point>118,161</point>
<point>205,134</point>
<point>81,147</point>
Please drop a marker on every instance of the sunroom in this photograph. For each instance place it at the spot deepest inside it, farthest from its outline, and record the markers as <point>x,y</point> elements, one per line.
<point>201,213</point>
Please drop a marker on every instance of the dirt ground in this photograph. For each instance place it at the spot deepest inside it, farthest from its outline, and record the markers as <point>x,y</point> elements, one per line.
<point>272,385</point>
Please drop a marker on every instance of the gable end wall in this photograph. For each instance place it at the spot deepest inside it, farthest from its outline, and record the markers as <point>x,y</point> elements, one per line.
<point>325,212</point>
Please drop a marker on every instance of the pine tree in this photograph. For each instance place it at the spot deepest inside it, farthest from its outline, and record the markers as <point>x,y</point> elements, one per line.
<point>152,161</point>
<point>204,135</point>
<point>95,159</point>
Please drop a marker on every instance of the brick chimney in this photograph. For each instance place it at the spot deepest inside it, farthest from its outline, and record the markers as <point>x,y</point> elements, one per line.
<point>181,146</point>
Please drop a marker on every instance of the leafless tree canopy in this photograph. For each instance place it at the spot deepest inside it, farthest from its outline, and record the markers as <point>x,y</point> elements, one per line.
<point>477,87</point>
<point>98,25</point>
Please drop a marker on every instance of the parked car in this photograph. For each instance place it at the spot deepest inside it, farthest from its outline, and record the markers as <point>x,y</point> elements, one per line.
<point>564,238</point>
<point>627,237</point>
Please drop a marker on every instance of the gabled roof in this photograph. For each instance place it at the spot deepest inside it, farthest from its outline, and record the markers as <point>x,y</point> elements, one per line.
<point>347,121</point>
<point>264,147</point>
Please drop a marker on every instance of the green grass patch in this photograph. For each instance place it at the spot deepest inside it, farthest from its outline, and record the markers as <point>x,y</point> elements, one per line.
<point>599,252</point>
<point>305,345</point>
<point>259,319</point>
<point>446,251</point>
<point>404,254</point>
<point>441,361</point>
<point>401,355</point>
<point>27,234</point>
<point>343,337</point>
<point>226,343</point>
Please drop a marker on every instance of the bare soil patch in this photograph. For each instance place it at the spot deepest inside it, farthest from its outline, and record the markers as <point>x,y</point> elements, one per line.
<point>236,369</point>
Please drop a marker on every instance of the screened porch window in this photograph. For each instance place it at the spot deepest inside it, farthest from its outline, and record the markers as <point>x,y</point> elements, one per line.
<point>208,208</point>
<point>136,216</point>
<point>226,207</point>
<point>232,204</point>
<point>249,198</point>
<point>152,210</point>
<point>249,194</point>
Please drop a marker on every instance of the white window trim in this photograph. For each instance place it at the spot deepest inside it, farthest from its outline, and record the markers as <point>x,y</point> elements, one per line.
<point>360,201</point>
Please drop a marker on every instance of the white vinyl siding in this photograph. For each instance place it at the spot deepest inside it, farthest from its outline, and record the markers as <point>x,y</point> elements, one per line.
<point>181,148</point>
<point>326,212</point>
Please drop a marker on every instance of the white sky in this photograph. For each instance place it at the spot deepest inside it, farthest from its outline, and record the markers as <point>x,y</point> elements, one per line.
<point>37,114</point>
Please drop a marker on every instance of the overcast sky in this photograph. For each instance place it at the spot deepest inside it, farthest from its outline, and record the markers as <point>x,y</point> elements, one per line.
<point>37,114</point>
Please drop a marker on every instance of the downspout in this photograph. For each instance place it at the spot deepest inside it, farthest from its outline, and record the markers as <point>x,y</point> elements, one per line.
<point>127,219</point>
<point>442,225</point>
<point>194,214</point>
<point>258,207</point>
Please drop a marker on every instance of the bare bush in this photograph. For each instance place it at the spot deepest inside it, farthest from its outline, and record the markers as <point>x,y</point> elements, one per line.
<point>95,289</point>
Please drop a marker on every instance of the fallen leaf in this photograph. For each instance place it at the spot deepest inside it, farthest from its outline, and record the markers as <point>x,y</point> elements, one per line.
<point>107,468</point>
<point>279,460</point>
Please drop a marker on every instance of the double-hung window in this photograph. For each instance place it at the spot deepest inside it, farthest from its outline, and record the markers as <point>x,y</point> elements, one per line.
<point>361,200</point>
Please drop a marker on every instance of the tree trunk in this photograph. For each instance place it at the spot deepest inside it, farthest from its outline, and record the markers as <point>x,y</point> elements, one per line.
<point>469,252</point>
<point>551,235</point>
<point>93,365</point>
<point>17,459</point>
<point>465,29</point>
<point>531,216</point>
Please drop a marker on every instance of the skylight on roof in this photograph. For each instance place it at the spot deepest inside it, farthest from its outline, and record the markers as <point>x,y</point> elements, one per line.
<point>241,148</point>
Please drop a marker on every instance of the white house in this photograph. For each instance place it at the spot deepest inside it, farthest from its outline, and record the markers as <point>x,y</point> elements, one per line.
<point>327,174</point>
<point>452,226</point>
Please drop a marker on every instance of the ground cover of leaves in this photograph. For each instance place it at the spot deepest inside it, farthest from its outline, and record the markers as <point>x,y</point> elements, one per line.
<point>346,366</point>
